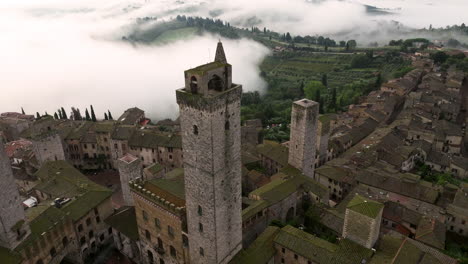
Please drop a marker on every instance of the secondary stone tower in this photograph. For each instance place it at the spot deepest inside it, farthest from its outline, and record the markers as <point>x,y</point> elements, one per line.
<point>130,168</point>
<point>211,140</point>
<point>302,145</point>
<point>13,228</point>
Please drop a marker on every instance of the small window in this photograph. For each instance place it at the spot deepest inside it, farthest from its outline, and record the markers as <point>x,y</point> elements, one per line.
<point>53,252</point>
<point>195,130</point>
<point>200,211</point>
<point>109,230</point>
<point>98,219</point>
<point>157,223</point>
<point>147,235</point>
<point>283,250</point>
<point>202,252</point>
<point>173,251</point>
<point>82,240</point>
<point>80,228</point>
<point>295,256</point>
<point>91,234</point>
<point>170,231</point>
<point>88,221</point>
<point>145,215</point>
<point>200,227</point>
<point>65,241</point>
<point>226,125</point>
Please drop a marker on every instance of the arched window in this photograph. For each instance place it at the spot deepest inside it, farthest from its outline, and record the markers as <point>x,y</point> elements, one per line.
<point>193,85</point>
<point>200,211</point>
<point>195,130</point>
<point>173,251</point>
<point>150,256</point>
<point>226,125</point>
<point>216,83</point>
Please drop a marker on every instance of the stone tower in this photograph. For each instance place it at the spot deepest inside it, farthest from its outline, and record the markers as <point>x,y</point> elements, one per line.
<point>48,147</point>
<point>211,140</point>
<point>13,228</point>
<point>362,221</point>
<point>303,144</point>
<point>129,169</point>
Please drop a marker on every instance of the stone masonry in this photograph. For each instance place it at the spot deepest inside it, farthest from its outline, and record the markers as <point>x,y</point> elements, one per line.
<point>302,145</point>
<point>12,218</point>
<point>211,138</point>
<point>49,148</point>
<point>129,169</point>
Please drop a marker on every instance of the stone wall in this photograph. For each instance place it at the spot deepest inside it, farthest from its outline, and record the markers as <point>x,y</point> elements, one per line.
<point>302,146</point>
<point>147,214</point>
<point>362,229</point>
<point>129,169</point>
<point>12,217</point>
<point>49,148</point>
<point>212,162</point>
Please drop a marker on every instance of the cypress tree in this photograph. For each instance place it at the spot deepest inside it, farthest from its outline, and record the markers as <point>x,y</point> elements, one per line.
<point>105,116</point>
<point>60,114</point>
<point>109,115</point>
<point>93,116</point>
<point>64,114</point>
<point>87,117</point>
<point>325,80</point>
<point>333,99</point>
<point>56,116</point>
<point>22,111</point>
<point>38,115</point>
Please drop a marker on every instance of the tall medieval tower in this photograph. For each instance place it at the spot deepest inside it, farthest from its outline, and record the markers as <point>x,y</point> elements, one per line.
<point>211,140</point>
<point>13,228</point>
<point>302,146</point>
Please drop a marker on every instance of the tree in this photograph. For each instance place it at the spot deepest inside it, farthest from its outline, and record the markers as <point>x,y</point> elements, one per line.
<point>93,116</point>
<point>105,116</point>
<point>342,43</point>
<point>87,117</point>
<point>313,91</point>
<point>56,116</point>
<point>301,89</point>
<point>59,113</point>
<point>109,115</point>
<point>64,114</point>
<point>351,44</point>
<point>378,80</point>
<point>22,111</point>
<point>288,37</point>
<point>439,57</point>
<point>76,114</point>
<point>325,80</point>
<point>333,99</point>
<point>360,61</point>
<point>264,30</point>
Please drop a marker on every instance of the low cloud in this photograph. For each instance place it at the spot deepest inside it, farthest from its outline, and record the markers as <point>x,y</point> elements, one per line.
<point>68,53</point>
<point>52,59</point>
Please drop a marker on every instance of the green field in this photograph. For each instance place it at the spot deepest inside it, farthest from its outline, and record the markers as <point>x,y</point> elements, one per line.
<point>175,34</point>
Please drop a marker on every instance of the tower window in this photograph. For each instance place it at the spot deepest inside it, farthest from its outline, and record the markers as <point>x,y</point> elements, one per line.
<point>226,125</point>
<point>200,227</point>
<point>216,83</point>
<point>195,130</point>
<point>193,85</point>
<point>200,211</point>
<point>202,252</point>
